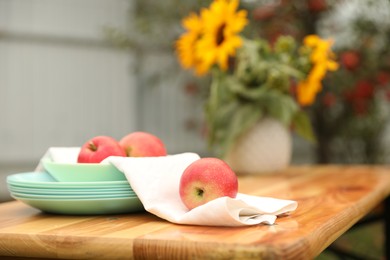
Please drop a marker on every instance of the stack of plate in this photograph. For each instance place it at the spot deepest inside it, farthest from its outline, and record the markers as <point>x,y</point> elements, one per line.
<point>40,190</point>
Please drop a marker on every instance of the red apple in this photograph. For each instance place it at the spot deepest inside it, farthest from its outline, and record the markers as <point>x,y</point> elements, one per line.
<point>142,144</point>
<point>207,179</point>
<point>98,148</point>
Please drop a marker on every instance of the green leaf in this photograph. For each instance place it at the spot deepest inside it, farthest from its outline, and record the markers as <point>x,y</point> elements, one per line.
<point>218,118</point>
<point>243,91</point>
<point>242,120</point>
<point>303,127</point>
<point>279,106</point>
<point>285,44</point>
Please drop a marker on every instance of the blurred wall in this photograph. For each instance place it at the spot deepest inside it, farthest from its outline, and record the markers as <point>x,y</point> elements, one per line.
<point>60,82</point>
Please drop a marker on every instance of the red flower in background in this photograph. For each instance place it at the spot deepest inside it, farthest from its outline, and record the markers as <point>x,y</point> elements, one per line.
<point>364,89</point>
<point>360,107</point>
<point>317,5</point>
<point>264,12</point>
<point>360,96</point>
<point>350,59</point>
<point>383,78</point>
<point>329,99</point>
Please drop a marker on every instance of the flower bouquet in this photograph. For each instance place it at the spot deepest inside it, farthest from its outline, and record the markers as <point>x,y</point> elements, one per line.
<point>251,79</point>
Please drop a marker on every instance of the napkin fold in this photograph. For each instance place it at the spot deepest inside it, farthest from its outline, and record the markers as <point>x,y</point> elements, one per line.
<point>63,154</point>
<point>156,182</point>
<point>59,155</point>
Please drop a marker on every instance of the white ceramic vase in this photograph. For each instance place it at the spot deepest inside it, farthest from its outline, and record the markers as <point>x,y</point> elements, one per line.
<point>265,148</point>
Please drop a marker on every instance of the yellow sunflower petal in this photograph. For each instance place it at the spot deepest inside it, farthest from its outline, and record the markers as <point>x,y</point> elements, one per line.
<point>222,23</point>
<point>322,61</point>
<point>192,23</point>
<point>332,65</point>
<point>186,44</point>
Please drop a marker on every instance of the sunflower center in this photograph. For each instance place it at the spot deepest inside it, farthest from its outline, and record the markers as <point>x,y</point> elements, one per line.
<point>220,35</point>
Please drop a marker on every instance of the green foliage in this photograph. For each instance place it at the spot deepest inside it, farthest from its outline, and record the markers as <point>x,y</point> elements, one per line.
<point>258,86</point>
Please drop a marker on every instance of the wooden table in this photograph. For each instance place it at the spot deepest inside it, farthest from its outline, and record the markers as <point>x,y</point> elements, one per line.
<point>331,199</point>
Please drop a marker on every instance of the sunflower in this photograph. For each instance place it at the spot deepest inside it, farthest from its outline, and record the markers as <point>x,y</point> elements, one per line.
<point>322,59</point>
<point>222,23</point>
<point>212,37</point>
<point>220,39</point>
<point>185,45</point>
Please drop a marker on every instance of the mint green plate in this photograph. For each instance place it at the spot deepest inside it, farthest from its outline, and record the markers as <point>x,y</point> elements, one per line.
<point>82,172</point>
<point>102,191</point>
<point>72,197</point>
<point>46,181</point>
<point>86,206</point>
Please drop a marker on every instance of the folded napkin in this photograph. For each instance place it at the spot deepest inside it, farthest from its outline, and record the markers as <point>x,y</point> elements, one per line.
<point>60,155</point>
<point>156,180</point>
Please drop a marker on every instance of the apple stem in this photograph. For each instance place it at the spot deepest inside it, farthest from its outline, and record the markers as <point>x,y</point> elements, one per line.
<point>128,151</point>
<point>92,146</point>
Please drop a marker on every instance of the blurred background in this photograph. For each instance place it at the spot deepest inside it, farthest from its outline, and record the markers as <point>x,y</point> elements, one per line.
<point>71,70</point>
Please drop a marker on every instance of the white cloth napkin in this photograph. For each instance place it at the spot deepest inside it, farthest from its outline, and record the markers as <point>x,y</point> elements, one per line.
<point>60,155</point>
<point>156,180</point>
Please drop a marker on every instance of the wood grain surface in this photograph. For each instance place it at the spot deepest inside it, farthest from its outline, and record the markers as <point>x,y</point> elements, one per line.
<point>330,200</point>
